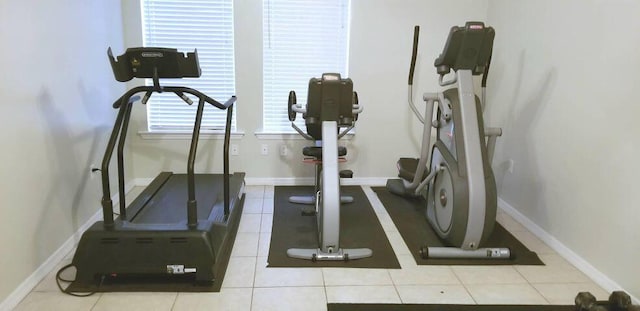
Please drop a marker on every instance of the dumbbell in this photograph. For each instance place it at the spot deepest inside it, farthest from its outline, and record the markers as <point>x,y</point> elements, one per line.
<point>621,301</point>
<point>585,301</point>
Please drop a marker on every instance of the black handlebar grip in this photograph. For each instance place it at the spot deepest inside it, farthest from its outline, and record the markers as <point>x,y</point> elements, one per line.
<point>486,70</point>
<point>355,103</point>
<point>414,54</point>
<point>292,101</point>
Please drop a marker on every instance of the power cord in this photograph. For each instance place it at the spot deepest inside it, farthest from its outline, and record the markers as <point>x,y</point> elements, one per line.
<point>59,278</point>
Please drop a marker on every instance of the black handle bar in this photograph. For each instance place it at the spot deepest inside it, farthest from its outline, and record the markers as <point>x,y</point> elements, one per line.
<point>414,54</point>
<point>176,90</point>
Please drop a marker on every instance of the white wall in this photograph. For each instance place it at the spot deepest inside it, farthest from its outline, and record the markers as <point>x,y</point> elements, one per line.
<point>57,88</point>
<point>560,87</point>
<point>380,43</point>
<point>563,84</point>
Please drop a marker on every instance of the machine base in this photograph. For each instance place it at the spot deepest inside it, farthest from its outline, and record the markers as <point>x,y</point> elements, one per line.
<point>453,252</point>
<point>161,249</point>
<point>311,200</point>
<point>343,254</point>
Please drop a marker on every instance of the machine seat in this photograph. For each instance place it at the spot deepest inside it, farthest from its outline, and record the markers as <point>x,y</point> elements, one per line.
<point>316,152</point>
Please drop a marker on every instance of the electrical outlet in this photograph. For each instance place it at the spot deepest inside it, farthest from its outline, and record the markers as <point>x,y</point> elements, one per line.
<point>235,150</point>
<point>264,149</point>
<point>284,150</point>
<point>510,167</point>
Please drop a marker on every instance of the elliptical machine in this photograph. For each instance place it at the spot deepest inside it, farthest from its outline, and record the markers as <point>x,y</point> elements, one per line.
<point>331,104</point>
<point>458,183</point>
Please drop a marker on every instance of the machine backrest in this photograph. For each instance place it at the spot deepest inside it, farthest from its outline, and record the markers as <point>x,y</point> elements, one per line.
<point>330,98</point>
<point>467,47</point>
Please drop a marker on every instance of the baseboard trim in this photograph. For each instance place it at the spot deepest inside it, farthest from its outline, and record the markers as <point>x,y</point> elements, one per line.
<point>142,182</point>
<point>594,274</point>
<point>293,181</point>
<point>306,181</point>
<point>48,265</point>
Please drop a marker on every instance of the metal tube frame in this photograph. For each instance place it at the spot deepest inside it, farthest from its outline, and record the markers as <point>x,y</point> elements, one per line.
<point>192,204</point>
<point>118,136</point>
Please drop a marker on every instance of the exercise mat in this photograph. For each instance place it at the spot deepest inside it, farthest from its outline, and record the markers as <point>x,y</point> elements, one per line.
<point>443,307</point>
<point>359,228</point>
<point>409,217</point>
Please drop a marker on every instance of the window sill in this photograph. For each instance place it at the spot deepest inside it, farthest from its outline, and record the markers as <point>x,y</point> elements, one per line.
<point>262,135</point>
<point>177,135</point>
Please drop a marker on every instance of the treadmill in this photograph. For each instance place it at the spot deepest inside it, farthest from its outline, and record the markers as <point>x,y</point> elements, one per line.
<point>182,226</point>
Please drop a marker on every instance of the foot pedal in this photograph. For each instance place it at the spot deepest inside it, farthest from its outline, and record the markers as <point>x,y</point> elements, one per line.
<point>407,168</point>
<point>308,211</point>
<point>346,174</point>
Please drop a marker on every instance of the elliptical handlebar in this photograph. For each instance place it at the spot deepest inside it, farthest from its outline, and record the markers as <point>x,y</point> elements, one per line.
<point>414,55</point>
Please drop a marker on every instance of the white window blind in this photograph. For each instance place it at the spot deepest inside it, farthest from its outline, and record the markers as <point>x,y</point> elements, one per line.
<point>301,40</point>
<point>205,25</point>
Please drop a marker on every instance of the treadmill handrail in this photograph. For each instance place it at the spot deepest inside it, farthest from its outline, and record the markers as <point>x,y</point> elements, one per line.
<point>118,135</point>
<point>176,90</point>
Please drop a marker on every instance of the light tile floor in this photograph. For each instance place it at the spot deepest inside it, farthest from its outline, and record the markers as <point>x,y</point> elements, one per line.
<point>250,285</point>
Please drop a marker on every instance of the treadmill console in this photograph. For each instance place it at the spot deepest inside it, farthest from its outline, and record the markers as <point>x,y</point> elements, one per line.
<point>468,47</point>
<point>147,62</point>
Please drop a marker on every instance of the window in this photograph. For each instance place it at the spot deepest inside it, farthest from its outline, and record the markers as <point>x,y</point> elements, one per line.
<point>205,25</point>
<point>301,40</point>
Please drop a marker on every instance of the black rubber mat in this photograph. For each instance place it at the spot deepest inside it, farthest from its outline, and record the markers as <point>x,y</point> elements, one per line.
<point>434,307</point>
<point>359,227</point>
<point>409,217</point>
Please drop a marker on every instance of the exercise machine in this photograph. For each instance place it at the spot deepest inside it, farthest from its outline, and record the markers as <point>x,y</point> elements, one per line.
<point>331,105</point>
<point>454,175</point>
<point>181,225</point>
<point>314,153</point>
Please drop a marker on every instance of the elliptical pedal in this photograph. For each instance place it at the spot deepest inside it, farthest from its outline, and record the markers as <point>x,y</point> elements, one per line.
<point>346,174</point>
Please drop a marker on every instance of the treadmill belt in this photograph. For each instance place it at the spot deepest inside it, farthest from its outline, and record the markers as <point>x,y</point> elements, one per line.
<point>169,204</point>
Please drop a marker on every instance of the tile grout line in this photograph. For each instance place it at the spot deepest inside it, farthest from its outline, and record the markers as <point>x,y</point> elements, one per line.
<point>381,210</point>
<point>253,284</point>
<point>96,303</point>
<point>324,286</point>
<point>463,285</point>
<point>175,299</point>
<point>395,286</point>
<point>518,271</point>
<point>255,266</point>
<point>529,282</point>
